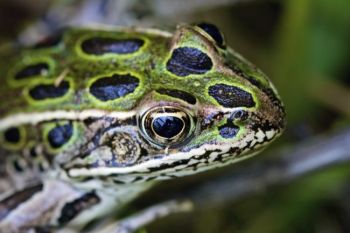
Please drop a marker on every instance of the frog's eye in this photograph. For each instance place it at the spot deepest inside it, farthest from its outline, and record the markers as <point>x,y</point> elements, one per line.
<point>167,126</point>
<point>213,32</point>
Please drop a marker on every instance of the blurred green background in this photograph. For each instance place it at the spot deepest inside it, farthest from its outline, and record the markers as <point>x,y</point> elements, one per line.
<point>304,47</point>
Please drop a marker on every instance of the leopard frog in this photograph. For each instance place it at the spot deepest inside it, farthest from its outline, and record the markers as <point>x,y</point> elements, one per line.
<point>91,117</point>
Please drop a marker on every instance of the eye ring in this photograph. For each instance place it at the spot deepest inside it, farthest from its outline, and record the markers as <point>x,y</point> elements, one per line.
<point>167,126</point>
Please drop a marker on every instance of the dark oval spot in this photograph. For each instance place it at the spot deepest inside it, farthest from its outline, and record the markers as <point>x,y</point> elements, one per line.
<point>114,87</point>
<point>213,31</point>
<point>49,91</point>
<point>60,135</point>
<point>32,70</point>
<point>231,96</point>
<point>32,152</point>
<point>185,61</point>
<point>178,94</point>
<point>12,135</point>
<point>228,130</point>
<point>49,41</point>
<point>41,167</point>
<point>167,126</point>
<point>100,46</point>
<point>73,208</point>
<point>17,166</point>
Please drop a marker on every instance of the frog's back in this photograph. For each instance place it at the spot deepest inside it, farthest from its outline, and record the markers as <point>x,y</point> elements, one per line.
<point>67,71</point>
<point>46,86</point>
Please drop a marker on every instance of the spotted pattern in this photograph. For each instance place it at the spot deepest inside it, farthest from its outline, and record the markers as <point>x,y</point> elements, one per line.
<point>231,96</point>
<point>49,91</point>
<point>114,87</point>
<point>228,130</point>
<point>60,135</point>
<point>185,96</point>
<point>12,135</point>
<point>101,46</point>
<point>187,60</point>
<point>32,70</point>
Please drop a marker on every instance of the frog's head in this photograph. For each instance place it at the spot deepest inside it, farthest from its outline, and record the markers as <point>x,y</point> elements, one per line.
<point>206,107</point>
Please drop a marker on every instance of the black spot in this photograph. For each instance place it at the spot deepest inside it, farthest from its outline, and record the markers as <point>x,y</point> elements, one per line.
<point>114,87</point>
<point>231,96</point>
<point>186,60</point>
<point>33,153</point>
<point>268,91</point>
<point>167,126</point>
<point>43,229</point>
<point>32,70</point>
<point>60,135</point>
<point>49,91</point>
<point>228,130</point>
<point>41,167</point>
<point>17,166</point>
<point>100,46</point>
<point>214,32</point>
<point>12,135</point>
<point>178,94</point>
<point>73,208</point>
<point>49,41</point>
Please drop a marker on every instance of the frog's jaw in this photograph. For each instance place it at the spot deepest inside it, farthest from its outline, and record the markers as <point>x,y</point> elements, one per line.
<point>182,163</point>
<point>224,136</point>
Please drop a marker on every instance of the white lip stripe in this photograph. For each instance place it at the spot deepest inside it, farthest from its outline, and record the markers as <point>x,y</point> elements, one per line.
<point>145,167</point>
<point>35,117</point>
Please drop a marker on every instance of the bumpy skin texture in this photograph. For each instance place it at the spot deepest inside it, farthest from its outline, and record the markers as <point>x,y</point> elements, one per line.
<point>81,107</point>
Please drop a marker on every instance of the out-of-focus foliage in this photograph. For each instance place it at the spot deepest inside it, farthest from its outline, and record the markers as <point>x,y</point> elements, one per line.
<point>304,46</point>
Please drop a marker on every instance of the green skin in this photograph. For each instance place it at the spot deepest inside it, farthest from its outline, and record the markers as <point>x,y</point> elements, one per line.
<point>124,153</point>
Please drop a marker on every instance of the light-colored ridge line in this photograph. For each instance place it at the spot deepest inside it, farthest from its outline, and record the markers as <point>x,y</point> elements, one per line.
<point>36,117</point>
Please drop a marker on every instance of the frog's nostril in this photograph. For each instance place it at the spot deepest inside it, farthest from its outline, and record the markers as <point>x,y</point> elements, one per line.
<point>239,115</point>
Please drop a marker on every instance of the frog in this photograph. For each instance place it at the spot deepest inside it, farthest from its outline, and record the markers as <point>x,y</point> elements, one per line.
<point>91,117</point>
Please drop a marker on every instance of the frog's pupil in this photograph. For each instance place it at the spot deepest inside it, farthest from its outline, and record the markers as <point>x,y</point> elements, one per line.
<point>213,31</point>
<point>167,126</point>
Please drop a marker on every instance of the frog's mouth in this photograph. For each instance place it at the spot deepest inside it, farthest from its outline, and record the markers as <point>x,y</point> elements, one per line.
<point>138,160</point>
<point>180,163</point>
